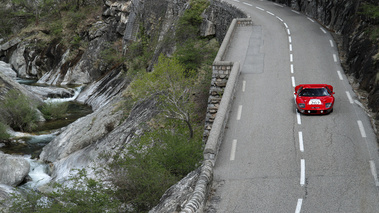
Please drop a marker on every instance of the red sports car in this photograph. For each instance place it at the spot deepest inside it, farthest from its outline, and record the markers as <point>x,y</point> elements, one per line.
<point>314,98</point>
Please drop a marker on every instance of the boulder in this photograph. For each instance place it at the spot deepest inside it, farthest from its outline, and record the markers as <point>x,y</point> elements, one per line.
<point>51,92</point>
<point>7,70</point>
<point>13,170</point>
<point>81,133</point>
<point>82,144</point>
<point>7,83</point>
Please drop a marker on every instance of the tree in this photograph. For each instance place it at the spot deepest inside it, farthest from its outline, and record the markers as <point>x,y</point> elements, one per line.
<point>35,7</point>
<point>173,84</point>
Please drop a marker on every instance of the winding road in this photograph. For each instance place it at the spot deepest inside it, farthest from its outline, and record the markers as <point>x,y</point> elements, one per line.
<point>273,159</point>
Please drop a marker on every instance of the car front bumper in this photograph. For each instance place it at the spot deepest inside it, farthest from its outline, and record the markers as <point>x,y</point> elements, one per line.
<point>315,111</point>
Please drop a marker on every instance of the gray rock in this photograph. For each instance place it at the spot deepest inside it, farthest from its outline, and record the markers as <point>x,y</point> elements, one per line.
<point>99,93</point>
<point>99,133</point>
<point>176,196</point>
<point>51,92</point>
<point>13,170</point>
<point>5,193</point>
<point>7,70</point>
<point>7,83</point>
<point>80,134</point>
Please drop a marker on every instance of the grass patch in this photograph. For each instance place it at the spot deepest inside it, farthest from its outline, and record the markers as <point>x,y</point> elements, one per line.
<point>54,111</point>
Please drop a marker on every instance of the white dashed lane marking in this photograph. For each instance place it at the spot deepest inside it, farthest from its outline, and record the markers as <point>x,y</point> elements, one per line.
<point>239,112</point>
<point>259,8</point>
<point>233,151</point>
<point>301,142</point>
<point>298,206</point>
<point>331,43</point>
<point>349,97</point>
<point>361,128</point>
<point>335,58</point>
<point>339,75</point>
<point>293,81</point>
<point>302,172</point>
<point>298,118</point>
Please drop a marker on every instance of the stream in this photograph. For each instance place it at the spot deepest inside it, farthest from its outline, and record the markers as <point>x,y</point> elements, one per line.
<point>29,145</point>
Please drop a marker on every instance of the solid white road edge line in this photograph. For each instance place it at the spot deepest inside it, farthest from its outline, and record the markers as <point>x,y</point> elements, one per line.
<point>233,151</point>
<point>302,172</point>
<point>301,142</point>
<point>373,172</point>
<point>298,206</point>
<point>239,112</point>
<point>359,103</point>
<point>361,128</point>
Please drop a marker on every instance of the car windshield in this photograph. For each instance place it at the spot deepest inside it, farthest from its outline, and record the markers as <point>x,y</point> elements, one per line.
<point>314,92</point>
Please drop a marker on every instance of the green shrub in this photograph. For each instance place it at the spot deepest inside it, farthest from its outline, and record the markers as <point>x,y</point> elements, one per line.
<point>153,163</point>
<point>369,10</point>
<point>18,111</point>
<point>189,23</point>
<point>54,111</point>
<point>3,132</point>
<point>87,195</point>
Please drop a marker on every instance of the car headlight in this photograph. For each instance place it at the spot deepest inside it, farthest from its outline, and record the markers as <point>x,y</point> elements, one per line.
<point>301,105</point>
<point>328,105</point>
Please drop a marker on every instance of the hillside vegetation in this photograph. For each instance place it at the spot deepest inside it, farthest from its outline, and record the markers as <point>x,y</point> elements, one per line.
<point>171,145</point>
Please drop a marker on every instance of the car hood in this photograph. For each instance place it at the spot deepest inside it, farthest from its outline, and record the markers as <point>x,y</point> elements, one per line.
<point>315,101</point>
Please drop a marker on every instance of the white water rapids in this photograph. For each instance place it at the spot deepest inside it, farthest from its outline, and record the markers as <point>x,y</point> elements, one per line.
<point>38,173</point>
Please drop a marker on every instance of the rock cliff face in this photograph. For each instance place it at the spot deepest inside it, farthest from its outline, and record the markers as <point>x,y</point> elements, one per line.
<point>106,129</point>
<point>358,44</point>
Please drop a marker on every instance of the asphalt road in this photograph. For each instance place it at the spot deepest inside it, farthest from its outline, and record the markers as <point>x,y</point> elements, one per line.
<point>273,159</point>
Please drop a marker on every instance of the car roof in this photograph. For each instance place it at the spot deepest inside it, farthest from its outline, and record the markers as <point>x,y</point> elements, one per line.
<point>303,86</point>
<point>313,85</point>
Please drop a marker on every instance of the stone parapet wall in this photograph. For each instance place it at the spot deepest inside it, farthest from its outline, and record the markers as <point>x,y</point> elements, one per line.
<point>224,80</point>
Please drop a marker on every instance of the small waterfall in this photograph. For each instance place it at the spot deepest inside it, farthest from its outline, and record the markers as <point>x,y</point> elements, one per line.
<point>38,173</point>
<point>59,100</point>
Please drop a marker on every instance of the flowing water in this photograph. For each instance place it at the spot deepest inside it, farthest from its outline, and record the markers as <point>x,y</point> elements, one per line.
<point>30,146</point>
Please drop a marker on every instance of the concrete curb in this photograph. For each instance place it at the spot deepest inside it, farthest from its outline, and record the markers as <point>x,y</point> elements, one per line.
<point>197,200</point>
